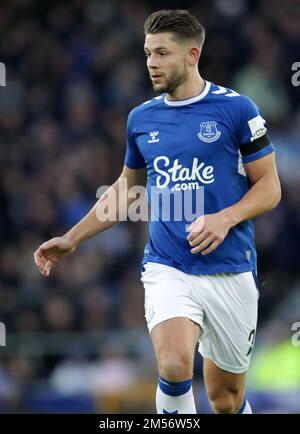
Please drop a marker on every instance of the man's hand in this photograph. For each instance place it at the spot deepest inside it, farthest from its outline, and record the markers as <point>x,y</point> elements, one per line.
<point>51,252</point>
<point>208,232</point>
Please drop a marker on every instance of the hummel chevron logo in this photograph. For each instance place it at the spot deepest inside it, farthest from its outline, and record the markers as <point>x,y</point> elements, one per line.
<point>170,412</point>
<point>224,90</point>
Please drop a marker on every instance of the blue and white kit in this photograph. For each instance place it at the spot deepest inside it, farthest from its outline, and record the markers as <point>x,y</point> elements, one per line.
<point>200,145</point>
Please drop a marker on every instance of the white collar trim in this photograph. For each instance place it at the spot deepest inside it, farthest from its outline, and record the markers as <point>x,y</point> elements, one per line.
<point>189,100</point>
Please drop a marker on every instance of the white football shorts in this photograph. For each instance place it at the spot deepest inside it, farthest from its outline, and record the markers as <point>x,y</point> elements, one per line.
<point>223,304</point>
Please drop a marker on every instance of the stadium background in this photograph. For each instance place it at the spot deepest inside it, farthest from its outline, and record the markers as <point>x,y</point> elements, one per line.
<point>77,341</point>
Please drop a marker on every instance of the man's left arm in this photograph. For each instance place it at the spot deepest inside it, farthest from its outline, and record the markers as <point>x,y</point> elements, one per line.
<point>208,232</point>
<point>264,194</point>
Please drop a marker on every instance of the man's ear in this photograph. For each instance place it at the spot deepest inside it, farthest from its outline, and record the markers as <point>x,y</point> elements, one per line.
<point>194,56</point>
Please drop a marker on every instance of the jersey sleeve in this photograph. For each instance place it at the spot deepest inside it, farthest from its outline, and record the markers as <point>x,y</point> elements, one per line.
<point>252,136</point>
<point>133,156</point>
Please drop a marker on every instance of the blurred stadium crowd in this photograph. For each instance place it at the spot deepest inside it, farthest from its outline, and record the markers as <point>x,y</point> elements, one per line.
<point>74,71</point>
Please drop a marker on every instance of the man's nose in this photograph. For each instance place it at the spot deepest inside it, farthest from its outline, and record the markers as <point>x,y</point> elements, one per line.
<point>152,62</point>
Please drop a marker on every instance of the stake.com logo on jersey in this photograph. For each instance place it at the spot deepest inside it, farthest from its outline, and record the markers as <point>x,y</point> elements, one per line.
<point>167,173</point>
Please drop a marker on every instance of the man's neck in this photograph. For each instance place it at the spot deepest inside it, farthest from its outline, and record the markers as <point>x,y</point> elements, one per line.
<point>190,88</point>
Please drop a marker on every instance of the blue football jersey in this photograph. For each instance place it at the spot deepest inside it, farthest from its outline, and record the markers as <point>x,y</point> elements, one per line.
<point>197,145</point>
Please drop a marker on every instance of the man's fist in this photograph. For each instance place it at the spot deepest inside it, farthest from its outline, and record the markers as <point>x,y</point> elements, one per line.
<point>206,233</point>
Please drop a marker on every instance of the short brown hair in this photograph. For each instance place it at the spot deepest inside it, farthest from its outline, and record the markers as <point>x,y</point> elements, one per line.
<point>178,21</point>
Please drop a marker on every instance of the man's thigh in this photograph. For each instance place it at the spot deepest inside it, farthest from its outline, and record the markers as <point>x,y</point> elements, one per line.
<point>175,335</point>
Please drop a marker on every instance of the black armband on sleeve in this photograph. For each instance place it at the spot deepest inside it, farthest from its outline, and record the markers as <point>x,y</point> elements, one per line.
<point>255,146</point>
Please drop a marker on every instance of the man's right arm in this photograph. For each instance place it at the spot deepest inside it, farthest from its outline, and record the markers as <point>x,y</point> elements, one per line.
<point>55,249</point>
<point>91,224</point>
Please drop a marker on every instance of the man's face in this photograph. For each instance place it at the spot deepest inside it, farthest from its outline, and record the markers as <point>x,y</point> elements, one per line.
<point>166,62</point>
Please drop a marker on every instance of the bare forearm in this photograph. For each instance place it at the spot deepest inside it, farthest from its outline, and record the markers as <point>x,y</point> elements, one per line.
<point>263,196</point>
<point>103,215</point>
<point>87,228</point>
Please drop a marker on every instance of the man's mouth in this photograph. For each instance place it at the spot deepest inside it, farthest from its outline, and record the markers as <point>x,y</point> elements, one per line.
<point>156,76</point>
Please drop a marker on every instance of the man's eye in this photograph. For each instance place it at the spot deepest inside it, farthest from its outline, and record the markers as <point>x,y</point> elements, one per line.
<point>160,54</point>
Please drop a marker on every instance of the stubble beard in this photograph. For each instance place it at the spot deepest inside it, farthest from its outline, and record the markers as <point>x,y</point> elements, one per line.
<point>172,82</point>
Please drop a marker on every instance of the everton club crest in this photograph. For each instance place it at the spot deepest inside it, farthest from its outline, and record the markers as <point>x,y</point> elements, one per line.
<point>209,132</point>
